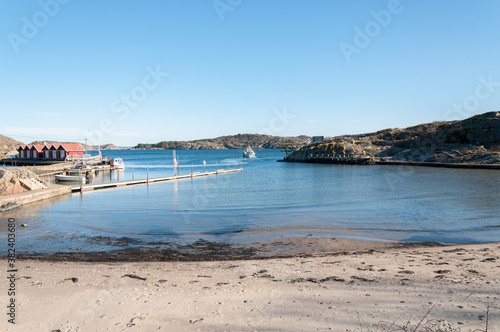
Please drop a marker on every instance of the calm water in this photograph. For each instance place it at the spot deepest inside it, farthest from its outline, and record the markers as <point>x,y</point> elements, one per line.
<point>266,201</point>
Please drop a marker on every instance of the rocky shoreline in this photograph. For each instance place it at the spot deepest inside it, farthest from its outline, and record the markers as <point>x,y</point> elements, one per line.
<point>473,141</point>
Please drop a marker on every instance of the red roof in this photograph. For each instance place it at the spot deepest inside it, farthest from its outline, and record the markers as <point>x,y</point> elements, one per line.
<point>39,147</point>
<point>72,147</point>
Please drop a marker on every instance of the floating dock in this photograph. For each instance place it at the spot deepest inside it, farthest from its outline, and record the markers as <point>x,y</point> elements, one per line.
<point>116,184</point>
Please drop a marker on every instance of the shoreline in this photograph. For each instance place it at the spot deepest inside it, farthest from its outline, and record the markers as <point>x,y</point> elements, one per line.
<point>366,162</point>
<point>204,251</point>
<point>358,287</point>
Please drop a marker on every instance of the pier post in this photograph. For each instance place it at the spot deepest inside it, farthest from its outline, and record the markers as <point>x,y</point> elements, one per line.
<point>147,173</point>
<point>216,167</point>
<point>191,170</point>
<point>132,172</point>
<point>81,180</point>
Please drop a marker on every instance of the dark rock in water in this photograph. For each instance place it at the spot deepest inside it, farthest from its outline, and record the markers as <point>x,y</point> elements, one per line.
<point>8,206</point>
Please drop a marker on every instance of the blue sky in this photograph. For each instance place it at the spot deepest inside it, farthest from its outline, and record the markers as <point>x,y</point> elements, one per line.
<point>131,72</point>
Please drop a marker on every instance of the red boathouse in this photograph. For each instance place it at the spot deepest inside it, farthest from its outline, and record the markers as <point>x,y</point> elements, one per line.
<point>51,151</point>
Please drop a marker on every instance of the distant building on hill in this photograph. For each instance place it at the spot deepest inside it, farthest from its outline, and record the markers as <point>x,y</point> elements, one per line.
<point>51,151</point>
<point>318,139</point>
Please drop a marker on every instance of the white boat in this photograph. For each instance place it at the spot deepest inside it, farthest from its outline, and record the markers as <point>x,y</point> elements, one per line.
<point>70,178</point>
<point>248,153</point>
<point>117,163</point>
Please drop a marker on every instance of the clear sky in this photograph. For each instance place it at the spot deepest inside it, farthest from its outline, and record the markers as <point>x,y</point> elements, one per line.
<point>131,72</point>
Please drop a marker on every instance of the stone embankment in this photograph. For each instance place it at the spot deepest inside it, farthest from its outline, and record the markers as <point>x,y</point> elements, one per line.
<point>473,141</point>
<point>20,186</point>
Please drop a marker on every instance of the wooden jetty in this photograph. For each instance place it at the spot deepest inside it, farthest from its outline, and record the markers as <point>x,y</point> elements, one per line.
<point>107,185</point>
<point>30,162</point>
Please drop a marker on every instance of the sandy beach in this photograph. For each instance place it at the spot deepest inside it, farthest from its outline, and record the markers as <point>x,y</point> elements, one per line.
<point>347,286</point>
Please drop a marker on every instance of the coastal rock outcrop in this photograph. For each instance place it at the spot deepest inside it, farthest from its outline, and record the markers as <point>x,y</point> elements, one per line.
<point>9,183</point>
<point>8,146</point>
<point>19,180</point>
<point>473,140</point>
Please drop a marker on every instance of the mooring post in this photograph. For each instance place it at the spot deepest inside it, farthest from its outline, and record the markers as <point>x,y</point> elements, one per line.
<point>81,180</point>
<point>132,172</point>
<point>191,170</point>
<point>147,173</point>
<point>216,167</point>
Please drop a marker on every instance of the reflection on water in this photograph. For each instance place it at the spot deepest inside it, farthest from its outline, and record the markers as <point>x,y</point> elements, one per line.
<point>266,201</point>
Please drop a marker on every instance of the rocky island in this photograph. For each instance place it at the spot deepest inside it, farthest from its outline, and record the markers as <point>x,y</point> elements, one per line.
<point>240,141</point>
<point>473,141</point>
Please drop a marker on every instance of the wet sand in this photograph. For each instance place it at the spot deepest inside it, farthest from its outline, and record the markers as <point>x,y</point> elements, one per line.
<point>303,284</point>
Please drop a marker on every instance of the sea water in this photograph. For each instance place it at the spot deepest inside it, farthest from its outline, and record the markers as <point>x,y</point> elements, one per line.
<point>266,201</point>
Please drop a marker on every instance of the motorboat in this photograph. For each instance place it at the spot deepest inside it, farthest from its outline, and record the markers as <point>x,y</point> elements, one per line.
<point>117,163</point>
<point>70,178</point>
<point>248,153</point>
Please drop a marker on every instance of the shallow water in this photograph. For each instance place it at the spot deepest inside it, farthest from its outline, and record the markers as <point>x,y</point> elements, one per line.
<point>268,200</point>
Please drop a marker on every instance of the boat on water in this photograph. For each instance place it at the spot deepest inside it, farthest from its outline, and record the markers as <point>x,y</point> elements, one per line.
<point>248,153</point>
<point>70,178</point>
<point>117,163</point>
